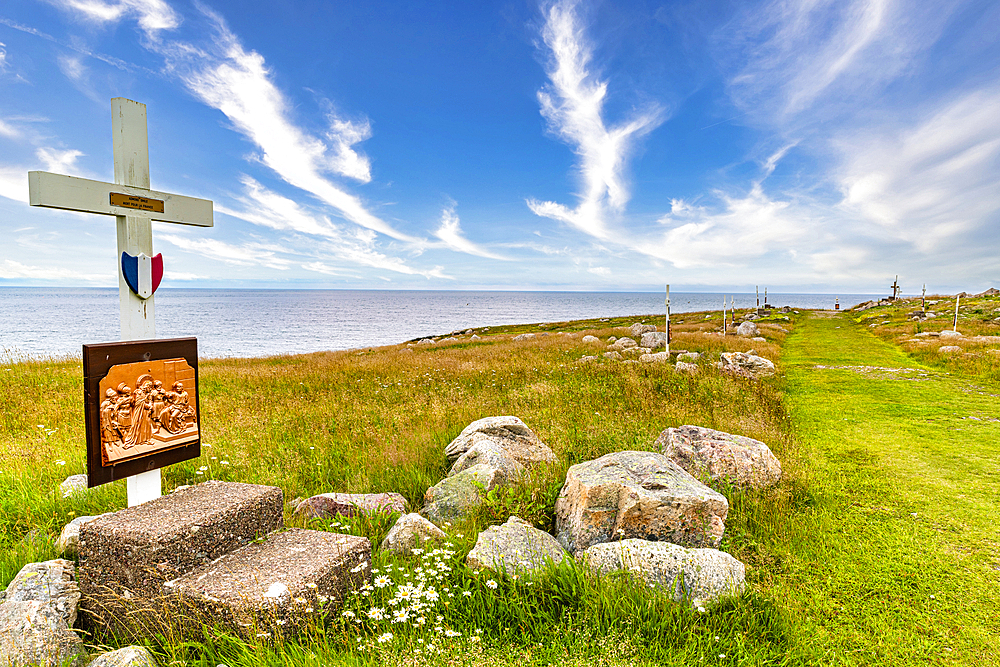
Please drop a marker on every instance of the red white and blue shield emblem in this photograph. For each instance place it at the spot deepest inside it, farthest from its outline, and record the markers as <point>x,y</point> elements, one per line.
<point>142,274</point>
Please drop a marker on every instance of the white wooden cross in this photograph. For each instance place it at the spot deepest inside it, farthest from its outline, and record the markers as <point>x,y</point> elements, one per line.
<point>134,206</point>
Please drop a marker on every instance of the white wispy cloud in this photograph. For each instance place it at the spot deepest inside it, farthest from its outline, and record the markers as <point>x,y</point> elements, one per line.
<point>151,15</point>
<point>10,269</point>
<point>14,183</point>
<point>573,105</point>
<point>238,83</point>
<point>247,254</point>
<point>450,233</point>
<point>930,183</point>
<point>824,56</point>
<point>59,161</point>
<point>3,57</point>
<point>267,208</point>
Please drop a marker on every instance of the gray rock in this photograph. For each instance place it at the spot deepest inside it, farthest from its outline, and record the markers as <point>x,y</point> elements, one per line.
<point>73,485</point>
<point>684,367</point>
<point>130,656</point>
<point>747,365</point>
<point>637,494</point>
<point>475,337</point>
<point>35,632</point>
<point>51,582</point>
<point>638,329</point>
<point>654,340</point>
<point>747,329</point>
<point>350,504</point>
<point>425,341</point>
<point>586,359</point>
<point>488,450</point>
<point>951,334</point>
<point>516,548</point>
<point>524,336</point>
<point>689,357</point>
<point>612,339</point>
<point>759,339</point>
<point>720,457</point>
<point>69,538</point>
<point>614,355</point>
<point>457,497</point>
<point>407,350</point>
<point>663,357</point>
<point>698,575</point>
<point>512,434</point>
<point>410,532</point>
<point>623,344</point>
<point>949,349</point>
<point>450,339</point>
<point>591,339</point>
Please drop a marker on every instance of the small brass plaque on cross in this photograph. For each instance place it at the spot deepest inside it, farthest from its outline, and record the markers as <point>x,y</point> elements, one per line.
<point>132,201</point>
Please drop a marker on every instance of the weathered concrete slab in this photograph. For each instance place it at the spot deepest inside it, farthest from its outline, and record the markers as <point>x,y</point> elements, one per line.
<point>274,585</point>
<point>129,554</point>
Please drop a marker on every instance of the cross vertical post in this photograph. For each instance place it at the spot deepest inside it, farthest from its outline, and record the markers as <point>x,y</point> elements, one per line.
<point>723,314</point>
<point>135,235</point>
<point>958,298</point>
<point>923,299</point>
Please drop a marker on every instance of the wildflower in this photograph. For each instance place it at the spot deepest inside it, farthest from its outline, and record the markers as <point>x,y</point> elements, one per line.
<point>225,463</point>
<point>282,621</point>
<point>347,613</point>
<point>417,551</point>
<point>263,635</point>
<point>300,600</point>
<point>198,472</point>
<point>491,584</point>
<point>474,638</point>
<point>385,638</point>
<point>203,468</point>
<point>452,633</point>
<point>60,462</point>
<point>310,585</point>
<point>400,616</point>
<point>382,581</point>
<point>467,594</point>
<point>376,613</point>
<point>701,609</point>
<point>309,610</point>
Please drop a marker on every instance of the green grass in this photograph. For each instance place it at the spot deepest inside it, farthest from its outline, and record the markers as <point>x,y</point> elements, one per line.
<point>886,500</point>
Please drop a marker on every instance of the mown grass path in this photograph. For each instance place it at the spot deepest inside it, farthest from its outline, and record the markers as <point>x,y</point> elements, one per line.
<point>896,558</point>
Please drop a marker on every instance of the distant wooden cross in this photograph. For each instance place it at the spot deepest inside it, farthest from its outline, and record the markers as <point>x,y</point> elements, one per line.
<point>666,328</point>
<point>895,288</point>
<point>134,206</point>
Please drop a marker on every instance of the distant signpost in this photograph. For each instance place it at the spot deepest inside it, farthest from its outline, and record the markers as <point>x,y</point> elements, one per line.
<point>134,206</point>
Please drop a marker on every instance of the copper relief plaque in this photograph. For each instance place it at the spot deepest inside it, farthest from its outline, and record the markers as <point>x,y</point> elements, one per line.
<point>142,406</point>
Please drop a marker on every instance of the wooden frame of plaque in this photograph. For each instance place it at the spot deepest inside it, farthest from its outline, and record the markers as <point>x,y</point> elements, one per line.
<point>141,406</point>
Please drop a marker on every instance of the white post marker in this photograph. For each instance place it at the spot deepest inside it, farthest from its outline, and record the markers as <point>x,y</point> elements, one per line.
<point>958,298</point>
<point>134,206</point>
<point>667,327</point>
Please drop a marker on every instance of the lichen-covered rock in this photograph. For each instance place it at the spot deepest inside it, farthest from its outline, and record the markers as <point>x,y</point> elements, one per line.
<point>350,504</point>
<point>720,457</point>
<point>73,485</point>
<point>747,329</point>
<point>689,357</point>
<point>613,355</point>
<point>591,339</point>
<point>654,340</point>
<point>623,343</point>
<point>524,336</point>
<point>655,357</point>
<point>747,365</point>
<point>489,451</point>
<point>512,434</point>
<point>69,539</point>
<point>130,656</point>
<point>457,497</point>
<point>638,329</point>
<point>949,349</point>
<point>950,334</point>
<point>698,575</point>
<point>34,632</point>
<point>516,548</point>
<point>409,533</point>
<point>52,582</point>
<point>686,368</point>
<point>641,495</point>
<point>586,359</point>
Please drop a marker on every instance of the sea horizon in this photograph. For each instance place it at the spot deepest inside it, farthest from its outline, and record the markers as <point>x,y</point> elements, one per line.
<point>257,322</point>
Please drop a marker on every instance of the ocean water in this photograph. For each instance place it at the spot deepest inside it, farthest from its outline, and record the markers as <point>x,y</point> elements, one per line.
<point>249,323</point>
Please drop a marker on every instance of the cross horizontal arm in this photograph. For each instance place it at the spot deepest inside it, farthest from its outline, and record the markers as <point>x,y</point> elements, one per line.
<point>80,194</point>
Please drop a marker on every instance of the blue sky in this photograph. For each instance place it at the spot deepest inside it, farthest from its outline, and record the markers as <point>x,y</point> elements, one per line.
<point>806,145</point>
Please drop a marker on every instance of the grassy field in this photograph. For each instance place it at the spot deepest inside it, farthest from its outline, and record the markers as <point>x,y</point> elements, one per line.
<point>840,571</point>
